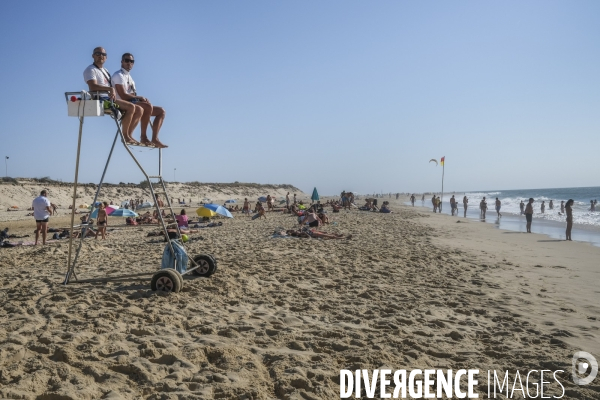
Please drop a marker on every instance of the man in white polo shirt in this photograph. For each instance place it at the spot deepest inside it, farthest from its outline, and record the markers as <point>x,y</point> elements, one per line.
<point>98,80</point>
<point>41,213</point>
<point>125,87</point>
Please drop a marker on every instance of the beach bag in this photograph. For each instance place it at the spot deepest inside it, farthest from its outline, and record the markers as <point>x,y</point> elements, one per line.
<point>180,255</point>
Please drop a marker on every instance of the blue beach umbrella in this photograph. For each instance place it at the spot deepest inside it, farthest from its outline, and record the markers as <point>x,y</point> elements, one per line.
<point>231,201</point>
<point>123,212</point>
<point>315,195</point>
<point>219,210</point>
<point>262,199</point>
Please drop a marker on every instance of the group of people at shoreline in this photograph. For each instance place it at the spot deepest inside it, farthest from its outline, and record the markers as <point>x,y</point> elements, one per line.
<point>526,209</point>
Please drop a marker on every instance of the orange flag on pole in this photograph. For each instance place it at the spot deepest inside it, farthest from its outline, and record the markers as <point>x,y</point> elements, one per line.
<point>442,160</point>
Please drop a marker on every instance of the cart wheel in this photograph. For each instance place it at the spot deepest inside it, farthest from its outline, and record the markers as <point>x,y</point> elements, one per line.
<point>180,279</point>
<point>207,265</point>
<point>166,280</point>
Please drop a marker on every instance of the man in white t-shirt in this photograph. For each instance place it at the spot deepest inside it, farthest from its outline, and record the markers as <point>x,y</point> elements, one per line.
<point>41,213</point>
<point>98,80</point>
<point>125,88</point>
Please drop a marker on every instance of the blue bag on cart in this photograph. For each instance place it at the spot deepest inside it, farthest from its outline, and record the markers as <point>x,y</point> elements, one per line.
<point>168,261</point>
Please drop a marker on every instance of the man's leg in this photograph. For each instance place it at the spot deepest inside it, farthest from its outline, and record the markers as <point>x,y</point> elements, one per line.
<point>159,114</point>
<point>132,117</point>
<point>129,109</point>
<point>44,231</point>
<point>37,232</point>
<point>145,120</point>
<point>137,116</point>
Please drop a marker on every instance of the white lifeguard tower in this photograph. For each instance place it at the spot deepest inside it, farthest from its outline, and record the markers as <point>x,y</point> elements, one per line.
<point>85,104</point>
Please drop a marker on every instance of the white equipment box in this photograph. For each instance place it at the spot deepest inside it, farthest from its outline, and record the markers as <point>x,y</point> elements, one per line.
<point>85,108</point>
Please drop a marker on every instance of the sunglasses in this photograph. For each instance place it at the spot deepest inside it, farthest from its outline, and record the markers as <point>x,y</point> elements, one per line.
<point>127,60</point>
<point>100,54</point>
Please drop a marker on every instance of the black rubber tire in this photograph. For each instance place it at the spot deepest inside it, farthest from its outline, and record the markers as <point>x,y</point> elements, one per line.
<point>214,260</point>
<point>166,280</point>
<point>207,267</point>
<point>180,279</point>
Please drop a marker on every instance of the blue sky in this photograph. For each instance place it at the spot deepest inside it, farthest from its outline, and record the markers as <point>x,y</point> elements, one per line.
<point>339,95</point>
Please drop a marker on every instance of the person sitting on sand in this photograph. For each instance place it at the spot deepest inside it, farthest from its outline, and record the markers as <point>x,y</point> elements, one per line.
<point>385,207</point>
<point>182,219</point>
<point>311,219</point>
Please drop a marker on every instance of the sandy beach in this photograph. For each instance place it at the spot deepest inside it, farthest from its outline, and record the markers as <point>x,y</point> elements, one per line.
<point>282,316</point>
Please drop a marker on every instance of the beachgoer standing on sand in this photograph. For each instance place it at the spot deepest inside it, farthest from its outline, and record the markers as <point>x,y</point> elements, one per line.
<point>102,221</point>
<point>246,208</point>
<point>522,207</point>
<point>269,203</point>
<point>423,199</point>
<point>569,211</point>
<point>295,198</point>
<point>452,204</point>
<point>498,206</point>
<point>465,204</point>
<point>543,206</point>
<point>287,200</point>
<point>483,207</point>
<point>434,203</point>
<point>412,199</point>
<point>562,207</point>
<point>529,214</point>
<point>41,213</point>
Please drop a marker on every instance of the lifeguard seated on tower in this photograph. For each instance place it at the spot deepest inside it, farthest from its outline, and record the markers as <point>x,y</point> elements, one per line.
<point>125,87</point>
<point>99,80</point>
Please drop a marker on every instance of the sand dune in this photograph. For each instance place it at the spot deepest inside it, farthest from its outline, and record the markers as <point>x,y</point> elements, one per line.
<point>22,193</point>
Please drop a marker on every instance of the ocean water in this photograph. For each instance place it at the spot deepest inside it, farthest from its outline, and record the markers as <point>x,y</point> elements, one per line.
<point>512,198</point>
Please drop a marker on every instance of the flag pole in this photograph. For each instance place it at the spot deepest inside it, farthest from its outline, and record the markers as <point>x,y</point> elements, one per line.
<point>443,168</point>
